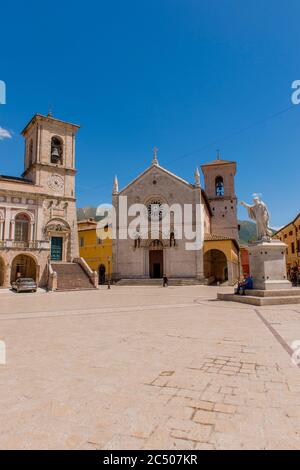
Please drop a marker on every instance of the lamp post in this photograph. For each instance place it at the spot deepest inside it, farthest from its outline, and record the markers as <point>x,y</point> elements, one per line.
<point>108,274</point>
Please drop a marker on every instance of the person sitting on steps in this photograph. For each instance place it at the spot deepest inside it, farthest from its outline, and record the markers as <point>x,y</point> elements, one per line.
<point>246,284</point>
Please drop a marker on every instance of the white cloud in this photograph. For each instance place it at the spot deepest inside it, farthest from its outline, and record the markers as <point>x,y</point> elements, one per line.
<point>4,134</point>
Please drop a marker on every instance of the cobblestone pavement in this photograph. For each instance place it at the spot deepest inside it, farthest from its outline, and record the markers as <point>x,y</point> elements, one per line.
<point>147,368</point>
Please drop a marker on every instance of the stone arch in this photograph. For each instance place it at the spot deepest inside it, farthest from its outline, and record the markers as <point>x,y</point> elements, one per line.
<point>58,221</point>
<point>56,224</point>
<point>156,244</point>
<point>58,231</point>
<point>163,242</point>
<point>23,223</point>
<point>155,197</point>
<point>216,265</point>
<point>24,265</point>
<point>24,212</point>
<point>57,150</point>
<point>219,186</point>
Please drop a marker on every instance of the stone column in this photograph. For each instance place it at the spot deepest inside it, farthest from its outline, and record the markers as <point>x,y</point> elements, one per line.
<point>31,235</point>
<point>7,224</point>
<point>12,230</point>
<point>199,253</point>
<point>7,273</point>
<point>1,229</point>
<point>147,275</point>
<point>166,261</point>
<point>230,269</point>
<point>37,275</point>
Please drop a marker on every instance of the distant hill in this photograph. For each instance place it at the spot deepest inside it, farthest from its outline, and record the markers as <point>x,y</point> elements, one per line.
<point>247,231</point>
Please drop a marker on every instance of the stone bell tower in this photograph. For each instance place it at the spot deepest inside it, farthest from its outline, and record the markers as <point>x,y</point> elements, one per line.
<point>49,163</point>
<point>50,154</point>
<point>219,187</point>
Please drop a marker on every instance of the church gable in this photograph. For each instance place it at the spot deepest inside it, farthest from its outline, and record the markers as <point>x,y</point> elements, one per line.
<point>156,180</point>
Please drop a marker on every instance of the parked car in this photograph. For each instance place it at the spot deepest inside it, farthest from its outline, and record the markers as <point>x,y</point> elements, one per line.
<point>24,284</point>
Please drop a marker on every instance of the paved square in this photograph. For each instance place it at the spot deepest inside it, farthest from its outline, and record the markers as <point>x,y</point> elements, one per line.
<point>147,368</point>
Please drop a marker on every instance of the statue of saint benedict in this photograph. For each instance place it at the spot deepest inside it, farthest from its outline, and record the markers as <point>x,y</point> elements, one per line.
<point>259,212</point>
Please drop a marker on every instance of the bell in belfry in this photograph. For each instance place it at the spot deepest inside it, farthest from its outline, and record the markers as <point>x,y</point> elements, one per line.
<point>55,157</point>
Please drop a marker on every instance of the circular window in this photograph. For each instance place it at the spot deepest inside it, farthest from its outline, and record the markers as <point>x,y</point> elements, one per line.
<point>155,210</point>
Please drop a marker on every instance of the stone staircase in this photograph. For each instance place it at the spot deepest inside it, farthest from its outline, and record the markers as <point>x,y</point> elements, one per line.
<point>265,297</point>
<point>71,276</point>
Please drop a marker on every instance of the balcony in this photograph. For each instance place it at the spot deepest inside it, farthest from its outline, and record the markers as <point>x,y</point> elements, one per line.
<point>31,245</point>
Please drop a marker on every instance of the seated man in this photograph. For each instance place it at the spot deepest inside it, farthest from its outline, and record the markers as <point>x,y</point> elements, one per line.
<point>247,284</point>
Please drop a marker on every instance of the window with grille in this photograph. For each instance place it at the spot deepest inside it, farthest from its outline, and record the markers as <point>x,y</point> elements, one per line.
<point>21,228</point>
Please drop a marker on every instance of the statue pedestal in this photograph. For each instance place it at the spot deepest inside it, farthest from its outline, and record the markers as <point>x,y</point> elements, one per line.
<point>268,265</point>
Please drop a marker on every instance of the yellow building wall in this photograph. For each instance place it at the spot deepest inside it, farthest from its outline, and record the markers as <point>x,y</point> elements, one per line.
<point>93,252</point>
<point>226,246</point>
<point>231,252</point>
<point>290,234</point>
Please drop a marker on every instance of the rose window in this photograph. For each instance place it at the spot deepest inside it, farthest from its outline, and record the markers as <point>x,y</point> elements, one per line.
<point>155,210</point>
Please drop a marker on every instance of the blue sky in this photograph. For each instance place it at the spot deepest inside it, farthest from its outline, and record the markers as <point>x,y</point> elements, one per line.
<point>188,76</point>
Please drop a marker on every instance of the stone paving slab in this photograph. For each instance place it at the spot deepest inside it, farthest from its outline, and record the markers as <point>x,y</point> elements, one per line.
<point>147,368</point>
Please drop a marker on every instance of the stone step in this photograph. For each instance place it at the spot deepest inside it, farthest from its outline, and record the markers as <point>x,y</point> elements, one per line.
<point>260,301</point>
<point>293,291</point>
<point>185,282</point>
<point>73,289</point>
<point>159,282</point>
<point>71,276</point>
<point>140,282</point>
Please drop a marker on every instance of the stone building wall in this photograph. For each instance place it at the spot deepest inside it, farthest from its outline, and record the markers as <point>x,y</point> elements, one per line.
<point>157,184</point>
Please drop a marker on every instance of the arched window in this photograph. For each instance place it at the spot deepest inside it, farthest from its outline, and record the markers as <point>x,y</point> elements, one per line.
<point>30,152</point>
<point>172,239</point>
<point>56,150</point>
<point>22,228</point>
<point>219,186</point>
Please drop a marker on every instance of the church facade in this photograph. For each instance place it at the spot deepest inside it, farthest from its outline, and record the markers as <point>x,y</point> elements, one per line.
<point>216,260</point>
<point>38,221</point>
<point>38,224</point>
